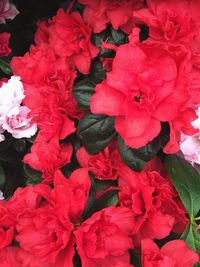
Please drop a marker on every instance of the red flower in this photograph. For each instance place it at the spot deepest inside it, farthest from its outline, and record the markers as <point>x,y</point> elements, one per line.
<point>6,237</point>
<point>138,92</point>
<point>156,207</point>
<point>4,42</point>
<point>48,90</point>
<point>23,198</point>
<point>14,256</point>
<point>48,157</point>
<point>175,22</point>
<point>174,253</point>
<point>70,38</point>
<point>104,165</point>
<point>99,13</point>
<point>72,193</point>
<point>103,239</point>
<point>46,234</point>
<point>51,222</point>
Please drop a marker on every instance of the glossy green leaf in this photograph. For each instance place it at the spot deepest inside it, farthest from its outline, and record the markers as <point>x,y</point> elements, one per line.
<point>130,156</point>
<point>5,66</point>
<point>83,91</point>
<point>137,158</point>
<point>192,239</point>
<point>32,176</point>
<point>186,181</point>
<point>95,132</point>
<point>110,198</point>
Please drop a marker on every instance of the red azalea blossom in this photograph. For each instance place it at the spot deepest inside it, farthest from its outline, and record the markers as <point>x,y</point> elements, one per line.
<point>156,207</point>
<point>138,92</point>
<point>4,44</point>
<point>9,211</point>
<point>175,23</point>
<point>73,192</point>
<point>48,157</point>
<point>99,13</point>
<point>94,238</point>
<point>172,21</point>
<point>103,213</point>
<point>173,254</point>
<point>14,256</point>
<point>69,37</point>
<point>48,90</point>
<point>51,222</point>
<point>104,165</point>
<point>52,235</point>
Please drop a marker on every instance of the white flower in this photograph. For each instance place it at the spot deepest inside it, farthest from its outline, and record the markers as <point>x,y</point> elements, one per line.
<point>190,145</point>
<point>19,125</point>
<point>11,96</point>
<point>1,195</point>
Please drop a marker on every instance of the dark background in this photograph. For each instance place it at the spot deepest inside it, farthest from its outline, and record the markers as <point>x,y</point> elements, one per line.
<point>23,27</point>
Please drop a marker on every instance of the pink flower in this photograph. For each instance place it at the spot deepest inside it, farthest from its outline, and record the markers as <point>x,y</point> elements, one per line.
<point>7,11</point>
<point>19,125</point>
<point>2,137</point>
<point>190,145</point>
<point>11,96</point>
<point>174,253</point>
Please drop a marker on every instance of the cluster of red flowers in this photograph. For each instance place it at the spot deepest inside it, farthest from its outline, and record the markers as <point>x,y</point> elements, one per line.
<point>141,87</point>
<point>47,222</point>
<point>148,83</point>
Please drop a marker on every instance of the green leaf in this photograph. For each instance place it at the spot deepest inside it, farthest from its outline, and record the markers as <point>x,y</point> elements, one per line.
<point>97,37</point>
<point>192,239</point>
<point>2,178</point>
<point>137,158</point>
<point>95,131</point>
<point>110,198</point>
<point>32,176</point>
<point>104,184</point>
<point>82,92</point>
<point>118,37</point>
<point>97,71</point>
<point>5,66</point>
<point>186,181</point>
<point>130,156</point>
<point>110,36</point>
